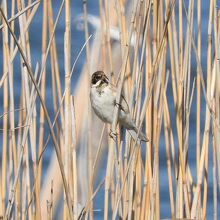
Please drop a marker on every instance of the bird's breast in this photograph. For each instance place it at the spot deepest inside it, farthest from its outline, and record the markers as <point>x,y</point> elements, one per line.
<point>102,101</point>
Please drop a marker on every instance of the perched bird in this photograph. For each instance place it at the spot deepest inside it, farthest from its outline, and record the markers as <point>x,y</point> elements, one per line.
<point>103,101</point>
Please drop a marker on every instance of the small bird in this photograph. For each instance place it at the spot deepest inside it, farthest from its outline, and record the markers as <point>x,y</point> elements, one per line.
<point>103,101</point>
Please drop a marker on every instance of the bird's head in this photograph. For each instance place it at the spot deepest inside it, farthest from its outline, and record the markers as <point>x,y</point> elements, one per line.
<point>98,78</point>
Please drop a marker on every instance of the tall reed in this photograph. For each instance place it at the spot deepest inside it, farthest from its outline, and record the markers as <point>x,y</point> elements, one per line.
<point>154,52</point>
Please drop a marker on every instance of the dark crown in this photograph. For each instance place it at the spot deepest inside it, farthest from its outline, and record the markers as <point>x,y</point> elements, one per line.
<point>99,75</point>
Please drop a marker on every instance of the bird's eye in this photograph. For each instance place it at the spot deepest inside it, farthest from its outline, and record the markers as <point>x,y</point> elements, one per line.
<point>95,79</point>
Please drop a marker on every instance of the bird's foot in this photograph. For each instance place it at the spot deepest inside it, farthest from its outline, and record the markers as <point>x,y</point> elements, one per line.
<point>113,134</point>
<point>118,105</point>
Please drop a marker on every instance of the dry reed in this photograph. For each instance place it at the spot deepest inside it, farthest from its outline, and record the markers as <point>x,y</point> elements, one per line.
<point>152,51</point>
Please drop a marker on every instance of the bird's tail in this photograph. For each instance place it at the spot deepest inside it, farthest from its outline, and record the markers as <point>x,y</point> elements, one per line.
<point>141,136</point>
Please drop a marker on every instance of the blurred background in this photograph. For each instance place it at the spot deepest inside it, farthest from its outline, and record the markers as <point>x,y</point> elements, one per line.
<point>167,54</point>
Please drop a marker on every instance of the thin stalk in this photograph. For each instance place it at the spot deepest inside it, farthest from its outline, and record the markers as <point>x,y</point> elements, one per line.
<point>48,120</point>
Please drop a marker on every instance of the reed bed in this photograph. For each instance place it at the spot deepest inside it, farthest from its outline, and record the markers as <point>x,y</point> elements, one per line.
<point>58,160</point>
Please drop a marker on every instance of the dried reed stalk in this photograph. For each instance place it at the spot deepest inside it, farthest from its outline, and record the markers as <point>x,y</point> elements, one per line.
<point>145,49</point>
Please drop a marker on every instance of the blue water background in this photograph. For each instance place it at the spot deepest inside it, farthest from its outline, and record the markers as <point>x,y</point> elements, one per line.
<point>77,41</point>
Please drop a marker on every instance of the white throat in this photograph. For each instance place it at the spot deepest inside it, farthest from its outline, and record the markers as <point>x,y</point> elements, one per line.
<point>97,84</point>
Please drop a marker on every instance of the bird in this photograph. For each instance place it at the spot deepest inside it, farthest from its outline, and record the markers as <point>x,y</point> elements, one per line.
<point>103,101</point>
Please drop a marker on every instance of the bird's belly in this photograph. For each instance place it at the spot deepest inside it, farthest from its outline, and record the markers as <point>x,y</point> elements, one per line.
<point>103,105</point>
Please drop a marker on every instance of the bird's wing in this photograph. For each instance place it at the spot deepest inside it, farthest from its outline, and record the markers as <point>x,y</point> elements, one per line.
<point>123,103</point>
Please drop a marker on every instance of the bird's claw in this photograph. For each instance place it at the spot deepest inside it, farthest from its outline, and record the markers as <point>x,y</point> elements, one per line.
<point>118,105</point>
<point>113,134</point>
